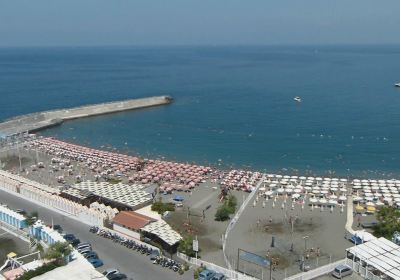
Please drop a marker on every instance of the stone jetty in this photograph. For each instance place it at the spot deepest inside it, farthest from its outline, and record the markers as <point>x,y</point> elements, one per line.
<point>41,120</point>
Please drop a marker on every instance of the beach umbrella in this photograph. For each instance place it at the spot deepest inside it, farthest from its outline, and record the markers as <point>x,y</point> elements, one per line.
<point>296,196</point>
<point>359,209</point>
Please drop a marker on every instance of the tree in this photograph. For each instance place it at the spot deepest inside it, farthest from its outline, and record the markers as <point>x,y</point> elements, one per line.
<point>186,246</point>
<point>58,251</point>
<point>31,218</point>
<point>229,207</point>
<point>388,222</point>
<point>231,204</point>
<point>222,213</point>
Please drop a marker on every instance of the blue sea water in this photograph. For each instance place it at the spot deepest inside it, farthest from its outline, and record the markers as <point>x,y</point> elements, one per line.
<point>233,105</point>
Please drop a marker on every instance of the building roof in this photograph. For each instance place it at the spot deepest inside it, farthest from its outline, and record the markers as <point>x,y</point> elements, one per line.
<point>133,195</point>
<point>381,254</point>
<point>132,220</point>
<point>163,231</point>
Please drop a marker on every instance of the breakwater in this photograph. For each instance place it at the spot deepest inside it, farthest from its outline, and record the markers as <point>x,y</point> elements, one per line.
<point>41,120</point>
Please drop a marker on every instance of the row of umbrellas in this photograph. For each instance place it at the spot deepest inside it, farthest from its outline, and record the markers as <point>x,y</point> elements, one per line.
<point>137,170</point>
<point>240,179</point>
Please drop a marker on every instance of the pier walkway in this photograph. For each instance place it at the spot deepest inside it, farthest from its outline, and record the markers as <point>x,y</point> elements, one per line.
<point>41,120</point>
<point>349,221</point>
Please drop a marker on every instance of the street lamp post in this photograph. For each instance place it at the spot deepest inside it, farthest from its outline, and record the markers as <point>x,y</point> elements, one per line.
<point>305,242</point>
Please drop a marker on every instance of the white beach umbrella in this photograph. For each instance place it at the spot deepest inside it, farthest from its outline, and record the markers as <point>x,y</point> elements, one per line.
<point>332,202</point>
<point>296,196</point>
<point>323,200</point>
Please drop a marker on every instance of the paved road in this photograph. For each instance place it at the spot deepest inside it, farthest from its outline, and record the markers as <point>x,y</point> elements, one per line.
<point>132,263</point>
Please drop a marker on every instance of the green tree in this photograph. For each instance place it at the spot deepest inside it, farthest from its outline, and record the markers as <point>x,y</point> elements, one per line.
<point>231,203</point>
<point>58,251</point>
<point>186,246</point>
<point>222,213</point>
<point>388,222</point>
<point>31,218</point>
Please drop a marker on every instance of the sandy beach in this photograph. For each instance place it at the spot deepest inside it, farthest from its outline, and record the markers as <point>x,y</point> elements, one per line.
<point>257,226</point>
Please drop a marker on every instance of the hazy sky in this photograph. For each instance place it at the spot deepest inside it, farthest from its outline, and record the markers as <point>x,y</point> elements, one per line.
<point>198,22</point>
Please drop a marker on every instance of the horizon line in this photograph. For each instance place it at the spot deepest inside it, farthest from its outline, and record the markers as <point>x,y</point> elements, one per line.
<point>202,45</point>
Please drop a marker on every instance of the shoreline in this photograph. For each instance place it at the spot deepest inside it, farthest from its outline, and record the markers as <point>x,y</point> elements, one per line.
<point>221,166</point>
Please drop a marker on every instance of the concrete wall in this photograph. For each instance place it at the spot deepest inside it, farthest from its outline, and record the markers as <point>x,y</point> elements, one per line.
<point>126,231</point>
<point>36,194</point>
<point>41,120</point>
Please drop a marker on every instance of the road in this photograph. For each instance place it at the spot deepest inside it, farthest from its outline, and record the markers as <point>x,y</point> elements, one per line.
<point>132,263</point>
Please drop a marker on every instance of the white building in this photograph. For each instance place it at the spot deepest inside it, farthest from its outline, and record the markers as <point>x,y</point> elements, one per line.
<point>376,259</point>
<point>12,218</point>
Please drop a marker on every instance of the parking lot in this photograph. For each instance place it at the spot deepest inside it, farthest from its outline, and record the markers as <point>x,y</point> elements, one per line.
<point>133,264</point>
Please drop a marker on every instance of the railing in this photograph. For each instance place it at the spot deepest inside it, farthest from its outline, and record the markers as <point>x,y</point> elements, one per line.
<point>230,274</point>
<point>15,231</point>
<point>316,272</point>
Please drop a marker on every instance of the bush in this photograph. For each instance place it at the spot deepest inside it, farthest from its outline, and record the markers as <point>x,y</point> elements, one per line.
<point>197,271</point>
<point>58,251</point>
<point>231,204</point>
<point>222,213</point>
<point>161,207</point>
<point>186,246</point>
<point>229,207</point>
<point>39,271</point>
<point>114,181</point>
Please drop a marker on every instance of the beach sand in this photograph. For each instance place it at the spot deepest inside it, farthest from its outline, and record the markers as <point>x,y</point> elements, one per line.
<point>254,232</point>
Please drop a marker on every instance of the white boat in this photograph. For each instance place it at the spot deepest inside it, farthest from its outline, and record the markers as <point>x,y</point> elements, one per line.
<point>297,98</point>
<point>397,85</point>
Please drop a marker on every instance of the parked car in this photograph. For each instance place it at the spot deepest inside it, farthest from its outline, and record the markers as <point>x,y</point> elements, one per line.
<point>342,271</point>
<point>117,276</point>
<point>369,225</point>
<point>110,271</point>
<point>92,255</point>
<point>83,245</point>
<point>21,211</point>
<point>69,237</point>
<point>84,249</point>
<point>218,276</point>
<point>58,228</point>
<point>96,262</point>
<point>206,274</point>
<point>154,255</point>
<point>87,252</point>
<point>75,242</point>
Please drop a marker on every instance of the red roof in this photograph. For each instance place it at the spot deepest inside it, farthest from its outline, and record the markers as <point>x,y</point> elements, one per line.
<point>132,220</point>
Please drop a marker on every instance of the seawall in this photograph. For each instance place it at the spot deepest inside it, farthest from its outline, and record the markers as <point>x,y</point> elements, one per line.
<point>41,120</point>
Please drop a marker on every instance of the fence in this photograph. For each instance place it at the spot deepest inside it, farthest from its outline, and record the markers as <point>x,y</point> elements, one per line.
<point>236,218</point>
<point>322,270</point>
<point>11,184</point>
<point>362,270</point>
<point>23,235</point>
<point>231,274</point>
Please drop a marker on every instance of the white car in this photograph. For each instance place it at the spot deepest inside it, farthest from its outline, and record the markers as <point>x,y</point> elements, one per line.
<point>342,271</point>
<point>110,271</point>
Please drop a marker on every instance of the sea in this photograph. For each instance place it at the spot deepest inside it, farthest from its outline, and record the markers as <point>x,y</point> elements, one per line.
<point>233,106</point>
